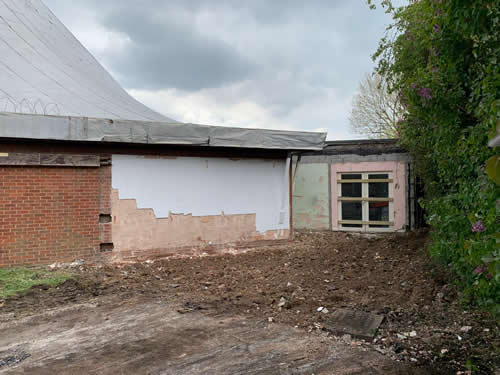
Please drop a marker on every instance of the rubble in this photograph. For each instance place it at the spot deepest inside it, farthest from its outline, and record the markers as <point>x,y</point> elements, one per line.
<point>284,303</point>
<point>286,284</point>
<point>466,329</point>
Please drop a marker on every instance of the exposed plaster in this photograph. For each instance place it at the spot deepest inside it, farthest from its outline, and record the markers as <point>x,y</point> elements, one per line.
<point>207,187</point>
<point>137,230</point>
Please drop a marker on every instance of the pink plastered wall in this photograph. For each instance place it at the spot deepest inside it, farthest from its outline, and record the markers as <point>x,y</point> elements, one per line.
<point>398,171</point>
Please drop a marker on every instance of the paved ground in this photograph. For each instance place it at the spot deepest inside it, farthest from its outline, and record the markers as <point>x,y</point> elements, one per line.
<point>154,338</point>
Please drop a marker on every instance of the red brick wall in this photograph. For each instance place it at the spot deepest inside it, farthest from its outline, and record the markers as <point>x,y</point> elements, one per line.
<point>105,203</point>
<point>51,214</point>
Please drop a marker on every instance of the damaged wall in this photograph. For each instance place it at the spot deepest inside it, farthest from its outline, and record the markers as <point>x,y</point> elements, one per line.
<point>311,192</point>
<point>311,199</point>
<point>165,203</point>
<point>138,233</point>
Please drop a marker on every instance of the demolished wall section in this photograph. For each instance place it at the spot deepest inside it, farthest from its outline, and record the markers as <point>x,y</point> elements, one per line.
<point>165,205</point>
<point>139,234</point>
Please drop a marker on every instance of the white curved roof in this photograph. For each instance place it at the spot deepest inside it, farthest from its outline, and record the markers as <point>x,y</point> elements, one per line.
<point>45,70</point>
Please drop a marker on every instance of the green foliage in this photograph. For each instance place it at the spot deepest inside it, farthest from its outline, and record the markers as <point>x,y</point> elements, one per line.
<point>442,58</point>
<point>493,169</point>
<point>471,366</point>
<point>17,280</point>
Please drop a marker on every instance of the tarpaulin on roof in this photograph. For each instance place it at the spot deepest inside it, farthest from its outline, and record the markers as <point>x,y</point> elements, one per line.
<point>83,129</point>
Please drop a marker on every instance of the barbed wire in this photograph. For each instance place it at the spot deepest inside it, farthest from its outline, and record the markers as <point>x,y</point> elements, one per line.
<point>37,107</point>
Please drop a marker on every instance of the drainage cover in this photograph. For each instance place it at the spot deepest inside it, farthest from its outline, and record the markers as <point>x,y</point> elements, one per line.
<point>356,323</point>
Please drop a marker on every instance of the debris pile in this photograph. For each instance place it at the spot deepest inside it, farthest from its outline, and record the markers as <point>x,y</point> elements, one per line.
<point>415,311</point>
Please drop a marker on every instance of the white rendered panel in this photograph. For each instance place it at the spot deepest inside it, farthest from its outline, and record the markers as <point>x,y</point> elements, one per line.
<point>206,186</point>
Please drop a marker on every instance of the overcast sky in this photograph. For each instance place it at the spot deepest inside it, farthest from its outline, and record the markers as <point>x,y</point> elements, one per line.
<point>284,64</point>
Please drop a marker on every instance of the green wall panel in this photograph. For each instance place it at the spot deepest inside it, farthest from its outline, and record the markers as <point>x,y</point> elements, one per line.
<point>311,204</point>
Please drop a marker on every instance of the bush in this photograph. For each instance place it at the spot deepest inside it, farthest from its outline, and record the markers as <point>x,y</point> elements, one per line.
<point>442,58</point>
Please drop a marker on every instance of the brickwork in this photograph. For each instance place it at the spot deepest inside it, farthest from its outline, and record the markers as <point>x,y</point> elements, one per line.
<point>52,214</point>
<point>105,231</point>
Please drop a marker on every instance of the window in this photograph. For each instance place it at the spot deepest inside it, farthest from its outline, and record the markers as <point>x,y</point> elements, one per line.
<point>365,201</point>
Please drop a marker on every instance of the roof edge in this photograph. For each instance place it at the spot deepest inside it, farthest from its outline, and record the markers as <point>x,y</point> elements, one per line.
<point>85,129</point>
<point>363,141</point>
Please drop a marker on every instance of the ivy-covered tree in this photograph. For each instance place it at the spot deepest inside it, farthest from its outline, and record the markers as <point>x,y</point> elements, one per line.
<point>442,57</point>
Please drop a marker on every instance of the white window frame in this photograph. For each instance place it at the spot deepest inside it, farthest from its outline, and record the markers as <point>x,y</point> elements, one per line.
<point>365,202</point>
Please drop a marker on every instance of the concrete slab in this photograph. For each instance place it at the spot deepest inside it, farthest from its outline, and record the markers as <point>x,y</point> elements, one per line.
<point>152,337</point>
<point>358,324</point>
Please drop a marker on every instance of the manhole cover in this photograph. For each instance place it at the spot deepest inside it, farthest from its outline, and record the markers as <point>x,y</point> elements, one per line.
<point>355,323</point>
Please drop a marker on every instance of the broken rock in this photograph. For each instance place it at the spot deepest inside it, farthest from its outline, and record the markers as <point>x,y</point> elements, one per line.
<point>465,329</point>
<point>284,303</point>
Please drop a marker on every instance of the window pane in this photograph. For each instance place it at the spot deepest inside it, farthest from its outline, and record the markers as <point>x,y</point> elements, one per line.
<point>351,176</point>
<point>351,211</point>
<point>379,211</point>
<point>351,189</point>
<point>352,225</point>
<point>378,176</point>
<point>378,189</point>
<point>378,226</point>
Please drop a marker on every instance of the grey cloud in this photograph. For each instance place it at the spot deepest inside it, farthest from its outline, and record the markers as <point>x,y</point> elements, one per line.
<point>281,55</point>
<point>164,53</point>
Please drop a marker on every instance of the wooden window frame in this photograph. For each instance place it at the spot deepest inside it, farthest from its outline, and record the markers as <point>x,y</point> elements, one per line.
<point>365,202</point>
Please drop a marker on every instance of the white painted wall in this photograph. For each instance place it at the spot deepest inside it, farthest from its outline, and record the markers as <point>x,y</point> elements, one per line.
<point>206,186</point>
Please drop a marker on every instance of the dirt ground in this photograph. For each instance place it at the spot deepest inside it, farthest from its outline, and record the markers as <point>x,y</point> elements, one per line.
<point>152,337</point>
<point>273,293</point>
